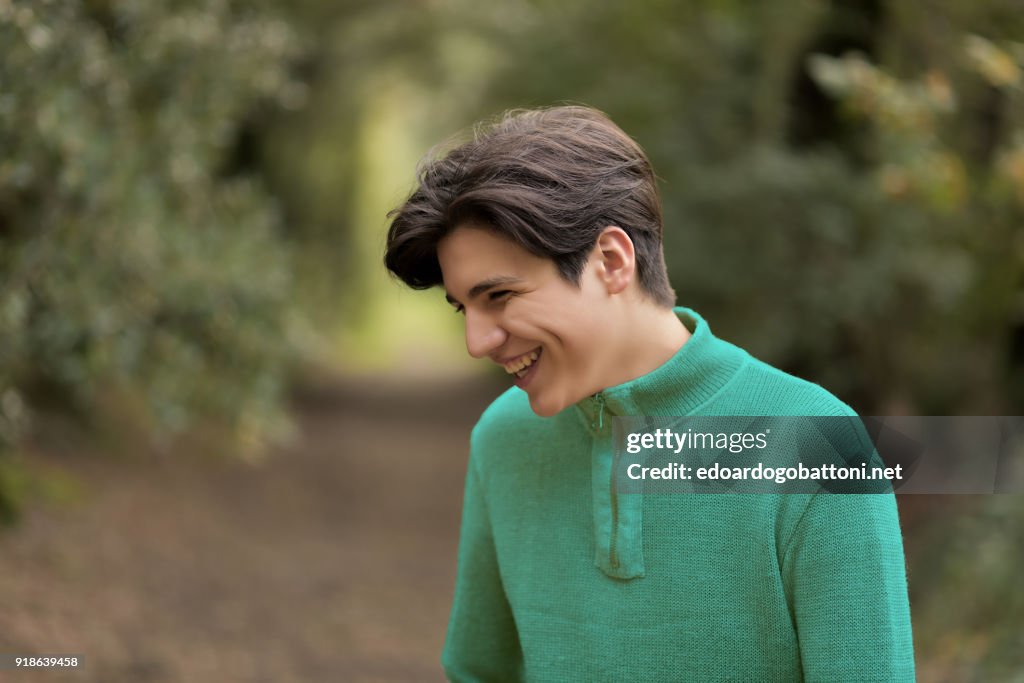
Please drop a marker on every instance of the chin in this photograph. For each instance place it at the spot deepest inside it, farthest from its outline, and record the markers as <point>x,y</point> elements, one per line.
<point>545,408</point>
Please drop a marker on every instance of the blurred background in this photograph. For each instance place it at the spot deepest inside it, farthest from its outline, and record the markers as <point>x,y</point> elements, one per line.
<point>231,449</point>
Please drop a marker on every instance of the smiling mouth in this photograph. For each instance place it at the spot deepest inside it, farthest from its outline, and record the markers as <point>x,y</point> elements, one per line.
<point>521,365</point>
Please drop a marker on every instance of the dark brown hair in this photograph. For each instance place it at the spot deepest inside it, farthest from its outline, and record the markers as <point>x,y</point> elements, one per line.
<point>550,180</point>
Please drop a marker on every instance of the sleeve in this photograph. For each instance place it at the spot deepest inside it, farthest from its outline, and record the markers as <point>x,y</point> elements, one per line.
<point>844,573</point>
<point>482,642</point>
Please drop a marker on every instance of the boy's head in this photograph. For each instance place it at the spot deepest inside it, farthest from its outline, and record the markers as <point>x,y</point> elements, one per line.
<point>541,229</point>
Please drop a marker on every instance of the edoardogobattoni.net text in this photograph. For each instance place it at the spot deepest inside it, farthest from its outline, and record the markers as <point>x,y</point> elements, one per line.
<point>759,472</point>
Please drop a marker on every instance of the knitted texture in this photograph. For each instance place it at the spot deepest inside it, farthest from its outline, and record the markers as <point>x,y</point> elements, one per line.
<point>560,579</point>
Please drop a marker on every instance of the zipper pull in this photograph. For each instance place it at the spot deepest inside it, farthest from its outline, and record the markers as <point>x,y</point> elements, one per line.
<point>600,412</point>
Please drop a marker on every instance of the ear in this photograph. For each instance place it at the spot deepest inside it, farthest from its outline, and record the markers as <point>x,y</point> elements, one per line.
<point>616,260</point>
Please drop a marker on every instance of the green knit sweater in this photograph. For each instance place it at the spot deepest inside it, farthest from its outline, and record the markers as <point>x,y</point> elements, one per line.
<point>560,579</point>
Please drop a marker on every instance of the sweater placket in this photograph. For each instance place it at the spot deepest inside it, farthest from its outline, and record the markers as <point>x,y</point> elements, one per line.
<point>618,518</point>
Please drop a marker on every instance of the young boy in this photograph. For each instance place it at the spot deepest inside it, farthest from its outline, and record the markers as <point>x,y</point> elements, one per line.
<point>545,232</point>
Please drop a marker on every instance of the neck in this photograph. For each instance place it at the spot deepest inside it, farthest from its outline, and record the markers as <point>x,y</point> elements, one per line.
<point>647,340</point>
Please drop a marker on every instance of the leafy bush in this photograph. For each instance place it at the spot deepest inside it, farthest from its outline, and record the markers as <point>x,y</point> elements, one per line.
<point>132,257</point>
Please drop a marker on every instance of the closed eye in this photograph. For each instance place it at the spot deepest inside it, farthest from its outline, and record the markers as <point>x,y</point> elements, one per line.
<point>496,296</point>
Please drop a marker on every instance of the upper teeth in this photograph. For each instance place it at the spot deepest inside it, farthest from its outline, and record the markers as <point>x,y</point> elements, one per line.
<point>522,362</point>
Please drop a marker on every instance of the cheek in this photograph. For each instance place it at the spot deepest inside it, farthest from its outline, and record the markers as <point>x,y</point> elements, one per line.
<point>550,323</point>
<point>561,320</point>
<point>578,335</point>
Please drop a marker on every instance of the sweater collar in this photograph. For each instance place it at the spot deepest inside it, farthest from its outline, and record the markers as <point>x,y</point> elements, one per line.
<point>699,370</point>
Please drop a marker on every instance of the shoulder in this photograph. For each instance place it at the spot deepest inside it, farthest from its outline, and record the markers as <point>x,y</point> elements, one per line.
<point>504,422</point>
<point>508,426</point>
<point>507,414</point>
<point>815,425</point>
<point>772,391</point>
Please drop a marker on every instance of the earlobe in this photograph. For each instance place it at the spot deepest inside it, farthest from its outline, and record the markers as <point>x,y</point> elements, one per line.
<point>617,259</point>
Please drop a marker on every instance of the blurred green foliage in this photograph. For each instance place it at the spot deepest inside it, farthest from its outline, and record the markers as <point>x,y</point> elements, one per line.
<point>964,559</point>
<point>133,256</point>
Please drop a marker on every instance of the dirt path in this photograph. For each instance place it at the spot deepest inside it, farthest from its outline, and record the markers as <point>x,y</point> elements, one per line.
<point>334,561</point>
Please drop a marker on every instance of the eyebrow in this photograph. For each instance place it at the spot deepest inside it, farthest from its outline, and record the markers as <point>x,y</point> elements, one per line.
<point>482,286</point>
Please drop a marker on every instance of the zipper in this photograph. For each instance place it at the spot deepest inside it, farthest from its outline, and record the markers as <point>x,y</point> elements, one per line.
<point>599,397</point>
<point>619,550</point>
<point>613,558</point>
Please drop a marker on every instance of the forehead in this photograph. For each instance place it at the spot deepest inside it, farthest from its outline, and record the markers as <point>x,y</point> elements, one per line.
<point>469,254</point>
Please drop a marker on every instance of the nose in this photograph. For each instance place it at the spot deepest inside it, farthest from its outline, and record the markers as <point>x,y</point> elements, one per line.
<point>483,334</point>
